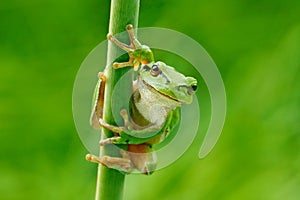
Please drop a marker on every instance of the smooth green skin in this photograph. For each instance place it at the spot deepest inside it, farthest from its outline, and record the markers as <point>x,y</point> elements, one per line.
<point>170,82</point>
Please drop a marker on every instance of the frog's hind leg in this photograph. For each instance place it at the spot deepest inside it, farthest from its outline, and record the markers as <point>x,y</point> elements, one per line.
<point>123,164</point>
<point>97,112</point>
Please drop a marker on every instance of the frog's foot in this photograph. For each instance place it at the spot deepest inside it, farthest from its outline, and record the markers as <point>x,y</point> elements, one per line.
<point>134,43</point>
<point>115,129</point>
<point>122,164</point>
<point>133,40</point>
<point>112,140</point>
<point>118,65</point>
<point>122,45</point>
<point>102,76</point>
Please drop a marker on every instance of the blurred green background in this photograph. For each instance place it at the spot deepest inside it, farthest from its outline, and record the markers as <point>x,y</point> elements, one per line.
<point>256,45</point>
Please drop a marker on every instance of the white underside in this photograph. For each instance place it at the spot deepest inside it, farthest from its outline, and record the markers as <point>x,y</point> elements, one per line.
<point>152,105</point>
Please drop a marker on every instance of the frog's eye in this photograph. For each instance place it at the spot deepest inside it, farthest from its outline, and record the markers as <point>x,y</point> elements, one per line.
<point>155,70</point>
<point>194,87</point>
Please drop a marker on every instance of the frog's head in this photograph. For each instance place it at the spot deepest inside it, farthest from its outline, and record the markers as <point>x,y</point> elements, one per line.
<point>168,82</point>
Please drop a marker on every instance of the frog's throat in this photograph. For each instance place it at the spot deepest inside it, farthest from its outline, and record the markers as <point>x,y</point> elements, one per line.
<point>165,95</point>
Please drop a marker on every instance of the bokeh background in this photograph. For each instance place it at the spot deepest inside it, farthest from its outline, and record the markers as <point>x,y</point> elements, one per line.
<point>256,45</point>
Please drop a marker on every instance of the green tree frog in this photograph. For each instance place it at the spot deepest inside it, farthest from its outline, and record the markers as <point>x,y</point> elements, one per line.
<point>158,92</point>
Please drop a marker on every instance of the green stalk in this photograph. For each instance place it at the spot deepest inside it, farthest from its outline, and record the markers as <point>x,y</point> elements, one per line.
<point>110,182</point>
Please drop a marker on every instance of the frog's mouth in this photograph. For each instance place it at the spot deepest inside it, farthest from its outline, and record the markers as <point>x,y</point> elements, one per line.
<point>165,95</point>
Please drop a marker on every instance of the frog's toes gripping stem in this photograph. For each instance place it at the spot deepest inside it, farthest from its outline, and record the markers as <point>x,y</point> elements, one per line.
<point>123,164</point>
<point>111,140</point>
<point>114,129</point>
<point>102,76</point>
<point>122,45</point>
<point>133,40</point>
<point>134,45</point>
<point>117,129</point>
<point>118,65</point>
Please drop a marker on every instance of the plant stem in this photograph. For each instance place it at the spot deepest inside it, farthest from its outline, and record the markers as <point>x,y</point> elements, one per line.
<point>110,182</point>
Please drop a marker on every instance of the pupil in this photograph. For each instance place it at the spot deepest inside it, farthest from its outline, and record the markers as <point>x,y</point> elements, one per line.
<point>194,87</point>
<point>155,68</point>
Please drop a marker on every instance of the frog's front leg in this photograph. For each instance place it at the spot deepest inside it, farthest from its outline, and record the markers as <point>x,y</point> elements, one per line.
<point>118,65</point>
<point>115,129</point>
<point>129,134</point>
<point>134,45</point>
<point>123,163</point>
